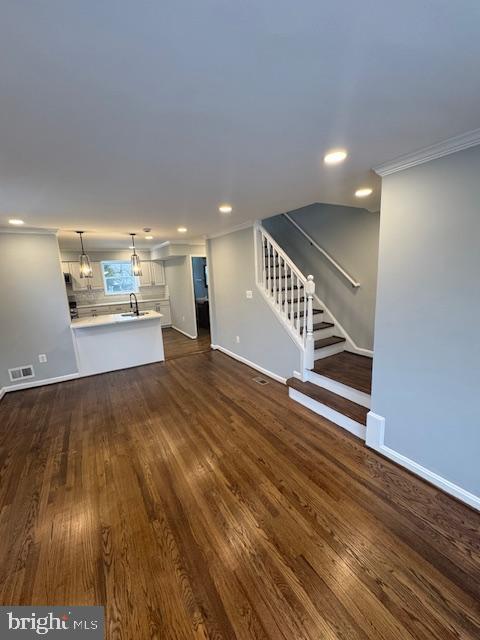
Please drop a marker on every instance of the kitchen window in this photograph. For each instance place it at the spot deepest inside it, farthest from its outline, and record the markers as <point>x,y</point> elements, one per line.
<point>118,278</point>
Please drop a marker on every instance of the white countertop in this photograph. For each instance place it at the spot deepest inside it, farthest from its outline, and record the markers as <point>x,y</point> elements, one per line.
<point>113,318</point>
<point>114,302</point>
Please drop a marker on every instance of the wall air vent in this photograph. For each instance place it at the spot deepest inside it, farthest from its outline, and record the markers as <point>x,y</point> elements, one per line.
<point>20,373</point>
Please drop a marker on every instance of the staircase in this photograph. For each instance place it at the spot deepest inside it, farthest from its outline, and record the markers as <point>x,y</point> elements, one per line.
<point>335,381</point>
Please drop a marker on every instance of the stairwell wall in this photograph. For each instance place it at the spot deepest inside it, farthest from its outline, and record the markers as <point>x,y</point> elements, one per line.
<point>350,236</point>
<point>264,342</point>
<point>426,371</point>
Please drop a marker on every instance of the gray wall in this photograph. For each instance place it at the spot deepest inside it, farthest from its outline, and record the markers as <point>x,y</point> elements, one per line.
<point>178,274</point>
<point>427,341</point>
<point>34,316</point>
<point>350,236</point>
<point>263,340</point>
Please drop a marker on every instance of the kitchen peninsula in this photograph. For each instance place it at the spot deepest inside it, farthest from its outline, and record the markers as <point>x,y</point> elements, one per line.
<point>117,341</point>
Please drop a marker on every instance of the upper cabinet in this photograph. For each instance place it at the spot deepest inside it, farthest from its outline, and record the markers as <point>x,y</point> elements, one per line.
<point>81,284</point>
<point>158,273</point>
<point>145,280</point>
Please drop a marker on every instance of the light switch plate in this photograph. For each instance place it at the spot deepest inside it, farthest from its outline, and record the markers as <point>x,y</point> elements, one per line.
<point>249,294</point>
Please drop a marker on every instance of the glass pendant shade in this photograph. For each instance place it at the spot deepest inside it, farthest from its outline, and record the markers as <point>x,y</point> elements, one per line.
<point>135,260</point>
<point>86,270</point>
<point>136,266</point>
<point>85,266</point>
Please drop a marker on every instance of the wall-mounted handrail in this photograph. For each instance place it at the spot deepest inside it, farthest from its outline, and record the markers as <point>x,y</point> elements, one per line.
<point>346,275</point>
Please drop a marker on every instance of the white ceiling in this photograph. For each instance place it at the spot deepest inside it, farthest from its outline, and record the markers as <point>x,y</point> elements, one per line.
<point>116,115</point>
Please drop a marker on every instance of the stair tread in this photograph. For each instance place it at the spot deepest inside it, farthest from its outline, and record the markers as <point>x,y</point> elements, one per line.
<point>346,407</point>
<point>320,325</point>
<point>326,342</point>
<point>348,368</point>
<point>302,313</point>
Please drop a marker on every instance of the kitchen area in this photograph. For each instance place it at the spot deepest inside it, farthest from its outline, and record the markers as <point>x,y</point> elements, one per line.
<point>118,302</point>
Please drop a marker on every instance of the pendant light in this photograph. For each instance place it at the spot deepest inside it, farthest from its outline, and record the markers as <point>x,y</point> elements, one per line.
<point>135,260</point>
<point>85,266</point>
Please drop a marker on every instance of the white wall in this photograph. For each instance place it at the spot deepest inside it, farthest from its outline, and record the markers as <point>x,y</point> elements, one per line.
<point>263,339</point>
<point>179,278</point>
<point>426,376</point>
<point>34,316</point>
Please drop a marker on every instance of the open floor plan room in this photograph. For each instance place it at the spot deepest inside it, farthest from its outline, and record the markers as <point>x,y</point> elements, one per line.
<point>197,503</point>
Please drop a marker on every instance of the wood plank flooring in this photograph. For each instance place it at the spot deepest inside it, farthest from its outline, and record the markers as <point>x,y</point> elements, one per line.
<point>178,345</point>
<point>194,503</point>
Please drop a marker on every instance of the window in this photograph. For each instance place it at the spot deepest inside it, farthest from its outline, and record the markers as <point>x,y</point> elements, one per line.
<point>118,278</point>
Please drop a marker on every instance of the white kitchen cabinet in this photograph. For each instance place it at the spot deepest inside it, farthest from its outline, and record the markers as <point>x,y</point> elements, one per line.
<point>145,280</point>
<point>164,308</point>
<point>82,284</point>
<point>158,273</point>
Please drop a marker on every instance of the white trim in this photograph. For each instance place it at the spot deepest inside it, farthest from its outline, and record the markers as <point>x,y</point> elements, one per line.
<point>189,335</point>
<point>168,243</point>
<point>444,148</point>
<point>329,350</point>
<point>375,440</point>
<point>327,412</point>
<point>31,230</point>
<point>350,345</point>
<point>37,383</point>
<point>249,363</point>
<point>238,227</point>
<point>354,395</point>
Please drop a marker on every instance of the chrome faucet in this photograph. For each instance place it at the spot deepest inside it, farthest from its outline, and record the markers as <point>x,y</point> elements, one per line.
<point>134,310</point>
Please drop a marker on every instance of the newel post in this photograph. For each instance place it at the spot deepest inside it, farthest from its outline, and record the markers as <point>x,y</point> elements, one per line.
<point>309,341</point>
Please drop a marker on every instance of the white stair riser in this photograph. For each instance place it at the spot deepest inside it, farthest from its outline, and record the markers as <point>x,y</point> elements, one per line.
<point>340,389</point>
<point>331,350</point>
<point>339,419</point>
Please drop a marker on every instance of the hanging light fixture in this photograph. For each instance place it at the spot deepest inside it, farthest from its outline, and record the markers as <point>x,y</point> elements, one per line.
<point>85,266</point>
<point>135,260</point>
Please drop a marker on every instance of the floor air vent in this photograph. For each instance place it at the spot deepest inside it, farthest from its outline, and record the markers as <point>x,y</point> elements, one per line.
<point>260,380</point>
<point>20,373</point>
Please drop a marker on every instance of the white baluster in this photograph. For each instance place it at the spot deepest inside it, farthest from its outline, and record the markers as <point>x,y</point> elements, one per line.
<point>264,275</point>
<point>309,342</point>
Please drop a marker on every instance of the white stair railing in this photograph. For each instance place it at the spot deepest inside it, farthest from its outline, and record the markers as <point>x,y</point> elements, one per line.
<point>287,290</point>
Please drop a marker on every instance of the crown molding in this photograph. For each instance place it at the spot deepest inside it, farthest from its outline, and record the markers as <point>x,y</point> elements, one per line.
<point>29,231</point>
<point>225,232</point>
<point>445,148</point>
<point>177,242</point>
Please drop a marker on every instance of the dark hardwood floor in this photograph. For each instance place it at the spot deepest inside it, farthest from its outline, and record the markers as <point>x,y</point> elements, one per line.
<point>348,368</point>
<point>178,345</point>
<point>194,503</point>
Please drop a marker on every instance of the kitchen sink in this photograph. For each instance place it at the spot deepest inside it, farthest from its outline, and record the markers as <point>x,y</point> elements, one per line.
<point>130,314</point>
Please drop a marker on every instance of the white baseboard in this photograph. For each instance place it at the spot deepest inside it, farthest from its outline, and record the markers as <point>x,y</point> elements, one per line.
<point>359,397</point>
<point>189,335</point>
<point>375,440</point>
<point>255,366</point>
<point>37,383</point>
<point>334,416</point>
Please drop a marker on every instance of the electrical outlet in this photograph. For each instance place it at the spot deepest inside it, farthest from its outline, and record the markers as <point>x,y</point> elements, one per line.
<point>42,357</point>
<point>237,339</point>
<point>249,294</point>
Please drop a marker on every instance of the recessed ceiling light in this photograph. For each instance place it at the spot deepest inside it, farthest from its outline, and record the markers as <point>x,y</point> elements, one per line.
<point>363,192</point>
<point>225,208</point>
<point>148,237</point>
<point>182,229</point>
<point>16,222</point>
<point>335,156</point>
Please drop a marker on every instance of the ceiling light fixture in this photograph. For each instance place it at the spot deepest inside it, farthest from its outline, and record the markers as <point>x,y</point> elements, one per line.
<point>135,260</point>
<point>86,270</point>
<point>148,237</point>
<point>363,192</point>
<point>182,229</point>
<point>335,156</point>
<point>225,208</point>
<point>16,222</point>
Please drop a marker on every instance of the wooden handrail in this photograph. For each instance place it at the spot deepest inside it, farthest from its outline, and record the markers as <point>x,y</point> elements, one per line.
<point>346,275</point>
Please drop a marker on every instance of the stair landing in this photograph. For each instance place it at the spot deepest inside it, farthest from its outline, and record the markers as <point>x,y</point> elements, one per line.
<point>348,368</point>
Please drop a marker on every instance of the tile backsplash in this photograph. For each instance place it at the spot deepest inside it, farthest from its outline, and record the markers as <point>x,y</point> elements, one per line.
<point>97,296</point>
